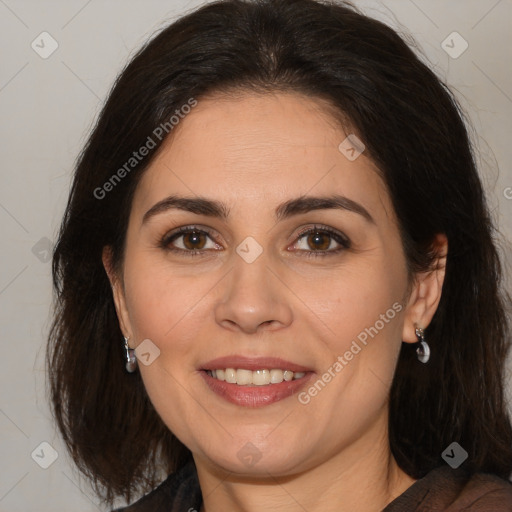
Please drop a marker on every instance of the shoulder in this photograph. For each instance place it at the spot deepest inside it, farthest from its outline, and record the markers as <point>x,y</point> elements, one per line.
<point>455,491</point>
<point>180,491</point>
<point>485,491</point>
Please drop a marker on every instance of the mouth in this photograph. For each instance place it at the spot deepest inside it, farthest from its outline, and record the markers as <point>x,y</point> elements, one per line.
<point>254,382</point>
<point>263,377</point>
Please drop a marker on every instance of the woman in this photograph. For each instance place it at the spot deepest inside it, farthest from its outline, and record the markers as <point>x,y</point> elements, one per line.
<point>277,286</point>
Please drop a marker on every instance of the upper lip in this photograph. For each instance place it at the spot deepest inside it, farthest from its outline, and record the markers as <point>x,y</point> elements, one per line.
<point>253,363</point>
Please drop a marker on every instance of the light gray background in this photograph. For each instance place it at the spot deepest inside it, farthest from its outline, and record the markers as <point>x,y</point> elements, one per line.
<point>47,107</point>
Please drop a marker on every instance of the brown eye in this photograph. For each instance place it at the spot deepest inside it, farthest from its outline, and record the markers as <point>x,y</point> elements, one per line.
<point>189,241</point>
<point>194,240</point>
<point>319,240</point>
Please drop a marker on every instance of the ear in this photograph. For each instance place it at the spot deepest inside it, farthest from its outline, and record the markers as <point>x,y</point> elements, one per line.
<point>426,293</point>
<point>116,282</point>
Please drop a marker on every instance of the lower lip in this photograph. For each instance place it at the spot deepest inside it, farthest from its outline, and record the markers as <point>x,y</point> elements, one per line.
<point>255,396</point>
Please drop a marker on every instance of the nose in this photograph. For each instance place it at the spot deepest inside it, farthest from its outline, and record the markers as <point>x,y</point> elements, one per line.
<point>253,298</point>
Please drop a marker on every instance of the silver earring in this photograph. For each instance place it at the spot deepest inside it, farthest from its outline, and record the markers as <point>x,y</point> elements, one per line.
<point>131,360</point>
<point>423,351</point>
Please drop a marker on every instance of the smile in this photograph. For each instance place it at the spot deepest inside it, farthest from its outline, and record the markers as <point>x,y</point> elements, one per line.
<point>243,377</point>
<point>254,381</point>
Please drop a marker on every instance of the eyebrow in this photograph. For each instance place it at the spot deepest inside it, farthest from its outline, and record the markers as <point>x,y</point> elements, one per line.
<point>216,209</point>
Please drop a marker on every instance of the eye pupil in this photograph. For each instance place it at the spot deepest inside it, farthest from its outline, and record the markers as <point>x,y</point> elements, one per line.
<point>315,240</point>
<point>192,238</point>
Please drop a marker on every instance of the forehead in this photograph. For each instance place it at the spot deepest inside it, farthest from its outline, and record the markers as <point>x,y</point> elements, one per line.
<point>255,149</point>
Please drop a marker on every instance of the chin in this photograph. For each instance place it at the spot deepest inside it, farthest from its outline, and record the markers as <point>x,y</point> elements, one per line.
<point>253,462</point>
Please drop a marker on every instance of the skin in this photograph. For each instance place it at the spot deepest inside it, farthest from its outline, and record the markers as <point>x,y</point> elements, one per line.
<point>254,152</point>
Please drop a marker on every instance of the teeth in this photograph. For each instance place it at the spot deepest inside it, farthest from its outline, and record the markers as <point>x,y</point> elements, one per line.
<point>263,377</point>
<point>276,376</point>
<point>259,377</point>
<point>229,375</point>
<point>243,377</point>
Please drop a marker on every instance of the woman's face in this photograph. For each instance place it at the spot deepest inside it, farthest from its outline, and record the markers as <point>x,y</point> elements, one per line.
<point>255,287</point>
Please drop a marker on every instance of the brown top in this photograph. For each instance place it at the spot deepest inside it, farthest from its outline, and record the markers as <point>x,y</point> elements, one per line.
<point>454,490</point>
<point>443,489</point>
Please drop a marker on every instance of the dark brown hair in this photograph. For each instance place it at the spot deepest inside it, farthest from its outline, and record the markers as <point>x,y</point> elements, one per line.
<point>413,130</point>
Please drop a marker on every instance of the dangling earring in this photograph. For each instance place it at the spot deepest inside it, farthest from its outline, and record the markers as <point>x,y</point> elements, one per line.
<point>131,360</point>
<point>423,350</point>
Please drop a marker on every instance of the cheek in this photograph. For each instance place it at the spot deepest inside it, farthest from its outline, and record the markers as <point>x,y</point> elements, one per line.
<point>167,305</point>
<point>360,312</point>
<point>350,301</point>
<point>168,309</point>
<point>157,305</point>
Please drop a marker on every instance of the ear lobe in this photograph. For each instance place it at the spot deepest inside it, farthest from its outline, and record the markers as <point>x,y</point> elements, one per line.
<point>117,292</point>
<point>426,293</point>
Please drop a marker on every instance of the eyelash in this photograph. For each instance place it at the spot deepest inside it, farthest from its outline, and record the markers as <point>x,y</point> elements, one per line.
<point>337,237</point>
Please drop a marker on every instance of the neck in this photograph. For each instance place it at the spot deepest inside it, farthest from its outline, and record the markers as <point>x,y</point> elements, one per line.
<point>363,476</point>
